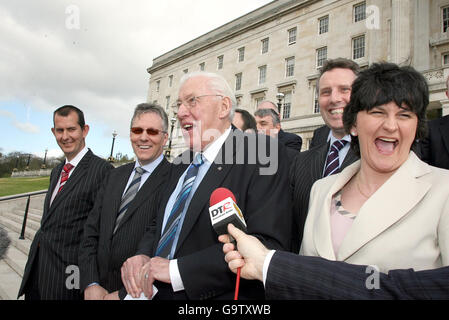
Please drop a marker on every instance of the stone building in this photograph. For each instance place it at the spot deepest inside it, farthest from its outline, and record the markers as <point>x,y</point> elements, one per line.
<point>280,47</point>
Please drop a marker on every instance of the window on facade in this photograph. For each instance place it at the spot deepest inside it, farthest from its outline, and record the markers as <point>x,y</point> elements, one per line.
<point>445,59</point>
<point>220,62</point>
<point>292,35</point>
<point>445,21</point>
<point>241,54</point>
<point>167,103</point>
<point>316,105</point>
<point>323,25</point>
<point>287,105</point>
<point>289,67</point>
<point>358,47</point>
<point>238,81</point>
<point>265,43</point>
<point>158,85</point>
<point>257,101</point>
<point>360,12</point>
<point>170,81</point>
<point>202,66</point>
<point>321,56</point>
<point>262,74</point>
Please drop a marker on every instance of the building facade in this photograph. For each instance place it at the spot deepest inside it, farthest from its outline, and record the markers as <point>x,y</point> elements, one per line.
<point>280,47</point>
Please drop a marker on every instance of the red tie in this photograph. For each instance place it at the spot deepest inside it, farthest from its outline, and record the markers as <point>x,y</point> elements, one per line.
<point>65,175</point>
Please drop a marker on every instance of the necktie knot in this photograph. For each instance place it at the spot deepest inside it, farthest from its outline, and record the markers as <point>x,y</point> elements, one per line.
<point>198,161</point>
<point>68,167</point>
<point>339,144</point>
<point>140,170</point>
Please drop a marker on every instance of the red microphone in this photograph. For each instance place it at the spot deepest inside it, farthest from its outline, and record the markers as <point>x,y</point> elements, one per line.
<point>224,210</point>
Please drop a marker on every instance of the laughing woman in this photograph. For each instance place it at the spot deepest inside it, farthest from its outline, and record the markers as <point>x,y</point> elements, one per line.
<point>389,209</point>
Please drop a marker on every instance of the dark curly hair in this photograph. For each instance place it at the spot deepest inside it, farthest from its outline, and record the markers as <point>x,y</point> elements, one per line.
<point>382,83</point>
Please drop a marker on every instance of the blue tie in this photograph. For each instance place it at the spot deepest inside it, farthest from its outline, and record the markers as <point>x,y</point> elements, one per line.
<point>166,242</point>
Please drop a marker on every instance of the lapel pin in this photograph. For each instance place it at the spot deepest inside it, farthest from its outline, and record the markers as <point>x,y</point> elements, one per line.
<point>220,168</point>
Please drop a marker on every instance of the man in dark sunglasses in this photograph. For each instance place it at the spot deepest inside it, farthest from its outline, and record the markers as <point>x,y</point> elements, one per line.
<point>123,210</point>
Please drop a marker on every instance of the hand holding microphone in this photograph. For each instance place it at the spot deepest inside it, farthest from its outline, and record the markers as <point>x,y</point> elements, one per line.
<point>249,257</point>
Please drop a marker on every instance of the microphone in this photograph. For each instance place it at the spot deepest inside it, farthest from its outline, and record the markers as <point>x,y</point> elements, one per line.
<point>224,210</point>
<point>4,242</point>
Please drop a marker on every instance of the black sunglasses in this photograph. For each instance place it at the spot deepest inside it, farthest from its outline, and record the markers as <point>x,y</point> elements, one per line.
<point>150,131</point>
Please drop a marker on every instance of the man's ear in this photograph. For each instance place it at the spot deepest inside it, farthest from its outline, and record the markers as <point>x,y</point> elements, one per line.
<point>85,130</point>
<point>225,108</point>
<point>53,131</point>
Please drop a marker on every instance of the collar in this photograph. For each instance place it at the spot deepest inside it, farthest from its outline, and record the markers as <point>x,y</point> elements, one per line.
<point>332,139</point>
<point>211,151</point>
<point>150,166</point>
<point>74,162</point>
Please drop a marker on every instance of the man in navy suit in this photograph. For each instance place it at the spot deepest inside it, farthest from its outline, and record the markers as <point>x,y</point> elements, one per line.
<point>183,259</point>
<point>52,267</point>
<point>119,219</point>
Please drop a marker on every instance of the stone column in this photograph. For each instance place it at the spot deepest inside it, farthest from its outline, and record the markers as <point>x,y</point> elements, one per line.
<point>400,31</point>
<point>421,52</point>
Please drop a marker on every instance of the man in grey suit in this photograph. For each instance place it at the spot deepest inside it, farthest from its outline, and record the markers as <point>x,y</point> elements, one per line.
<point>334,93</point>
<point>121,216</point>
<point>51,272</point>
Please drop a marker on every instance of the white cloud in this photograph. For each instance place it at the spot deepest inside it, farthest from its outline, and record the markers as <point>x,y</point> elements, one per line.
<point>26,127</point>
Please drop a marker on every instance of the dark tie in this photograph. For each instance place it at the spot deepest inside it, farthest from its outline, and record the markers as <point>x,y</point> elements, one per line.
<point>333,162</point>
<point>166,242</point>
<point>129,196</point>
<point>65,175</point>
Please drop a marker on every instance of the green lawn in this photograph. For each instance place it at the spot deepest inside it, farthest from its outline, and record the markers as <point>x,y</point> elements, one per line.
<point>10,186</point>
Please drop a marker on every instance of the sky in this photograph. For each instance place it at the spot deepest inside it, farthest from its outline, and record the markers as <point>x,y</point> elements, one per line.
<point>91,54</point>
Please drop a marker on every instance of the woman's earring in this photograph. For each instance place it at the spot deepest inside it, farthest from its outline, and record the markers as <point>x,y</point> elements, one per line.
<point>353,133</point>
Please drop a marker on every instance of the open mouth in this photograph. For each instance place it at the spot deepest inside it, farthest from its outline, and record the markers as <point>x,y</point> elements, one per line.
<point>187,127</point>
<point>386,145</point>
<point>144,147</point>
<point>336,111</point>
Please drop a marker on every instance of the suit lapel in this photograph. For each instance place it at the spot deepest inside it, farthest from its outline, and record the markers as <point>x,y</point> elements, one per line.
<point>321,156</point>
<point>322,225</point>
<point>53,183</point>
<point>151,184</point>
<point>390,203</point>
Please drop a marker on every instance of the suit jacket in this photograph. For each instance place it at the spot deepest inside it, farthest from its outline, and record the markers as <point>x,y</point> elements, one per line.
<point>263,199</point>
<point>320,136</point>
<point>56,243</point>
<point>404,224</point>
<point>435,148</point>
<point>102,253</point>
<point>290,140</point>
<point>305,170</point>
<point>291,276</point>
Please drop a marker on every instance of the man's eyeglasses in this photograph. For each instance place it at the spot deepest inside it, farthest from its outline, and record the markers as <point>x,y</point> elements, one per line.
<point>150,131</point>
<point>191,102</point>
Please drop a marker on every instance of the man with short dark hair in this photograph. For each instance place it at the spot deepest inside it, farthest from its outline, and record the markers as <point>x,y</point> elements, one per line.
<point>334,92</point>
<point>51,272</point>
<point>290,140</point>
<point>124,208</point>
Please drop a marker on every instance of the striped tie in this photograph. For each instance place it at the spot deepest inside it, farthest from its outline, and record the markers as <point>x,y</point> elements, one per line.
<point>65,175</point>
<point>333,162</point>
<point>129,196</point>
<point>166,242</point>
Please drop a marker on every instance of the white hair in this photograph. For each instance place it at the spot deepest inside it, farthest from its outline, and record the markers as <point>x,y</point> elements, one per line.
<point>217,84</point>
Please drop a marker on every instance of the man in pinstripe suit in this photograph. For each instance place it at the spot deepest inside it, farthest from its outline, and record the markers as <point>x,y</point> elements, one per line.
<point>51,271</point>
<point>110,239</point>
<point>334,93</point>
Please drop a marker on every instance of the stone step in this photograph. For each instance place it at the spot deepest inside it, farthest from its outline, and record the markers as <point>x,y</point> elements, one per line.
<point>9,282</point>
<point>20,212</point>
<point>22,244</point>
<point>11,225</point>
<point>31,220</point>
<point>16,259</point>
